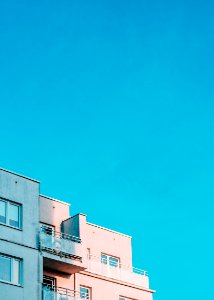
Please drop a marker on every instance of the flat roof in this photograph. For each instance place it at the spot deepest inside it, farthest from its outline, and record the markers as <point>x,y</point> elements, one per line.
<point>20,175</point>
<point>107,229</point>
<point>54,199</point>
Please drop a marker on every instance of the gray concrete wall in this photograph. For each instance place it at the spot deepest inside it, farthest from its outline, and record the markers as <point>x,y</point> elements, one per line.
<point>31,274</point>
<point>22,243</point>
<point>25,192</point>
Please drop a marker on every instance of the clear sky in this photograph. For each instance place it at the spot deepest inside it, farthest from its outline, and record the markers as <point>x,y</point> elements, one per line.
<point>110,105</point>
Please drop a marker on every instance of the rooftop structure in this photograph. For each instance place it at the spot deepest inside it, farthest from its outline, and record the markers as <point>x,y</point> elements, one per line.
<point>46,254</point>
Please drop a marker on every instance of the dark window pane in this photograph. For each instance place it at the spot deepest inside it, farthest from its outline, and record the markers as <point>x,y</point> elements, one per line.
<point>84,293</point>
<point>104,259</point>
<point>2,212</point>
<point>113,261</point>
<point>5,268</point>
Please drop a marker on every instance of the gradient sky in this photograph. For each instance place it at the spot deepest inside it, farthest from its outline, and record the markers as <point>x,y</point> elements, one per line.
<point>110,105</point>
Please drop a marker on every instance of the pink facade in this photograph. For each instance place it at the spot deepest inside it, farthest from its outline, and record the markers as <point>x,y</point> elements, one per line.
<point>86,258</point>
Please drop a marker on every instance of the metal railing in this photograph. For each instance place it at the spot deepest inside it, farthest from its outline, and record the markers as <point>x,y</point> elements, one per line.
<point>58,293</point>
<point>117,264</point>
<point>59,242</point>
<point>60,235</point>
<point>121,272</point>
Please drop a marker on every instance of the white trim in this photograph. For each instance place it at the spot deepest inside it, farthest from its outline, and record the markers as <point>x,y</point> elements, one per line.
<point>107,229</point>
<point>56,200</point>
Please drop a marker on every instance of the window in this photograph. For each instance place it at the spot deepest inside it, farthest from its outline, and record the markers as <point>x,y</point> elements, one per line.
<point>3,212</point>
<point>14,215</point>
<point>85,293</point>
<point>10,213</point>
<point>10,269</point>
<point>110,260</point>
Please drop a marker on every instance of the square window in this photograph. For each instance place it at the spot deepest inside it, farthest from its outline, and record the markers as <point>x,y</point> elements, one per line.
<point>10,269</point>
<point>10,213</point>
<point>104,259</point>
<point>110,260</point>
<point>113,261</point>
<point>85,293</point>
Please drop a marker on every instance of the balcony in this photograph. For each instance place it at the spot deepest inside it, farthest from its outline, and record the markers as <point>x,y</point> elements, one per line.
<point>62,252</point>
<point>53,293</point>
<point>119,272</point>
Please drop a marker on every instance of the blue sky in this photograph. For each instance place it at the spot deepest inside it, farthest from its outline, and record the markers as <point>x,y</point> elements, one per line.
<point>110,105</point>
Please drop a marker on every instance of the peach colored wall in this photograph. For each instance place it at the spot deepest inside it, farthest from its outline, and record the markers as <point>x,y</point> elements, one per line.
<point>106,290</point>
<point>101,240</point>
<point>53,212</point>
<point>98,239</point>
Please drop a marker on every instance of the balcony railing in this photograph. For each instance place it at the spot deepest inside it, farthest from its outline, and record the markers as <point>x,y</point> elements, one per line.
<point>60,243</point>
<point>120,272</point>
<point>53,293</point>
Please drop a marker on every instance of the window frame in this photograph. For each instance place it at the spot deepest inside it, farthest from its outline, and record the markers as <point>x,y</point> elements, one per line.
<point>12,275</point>
<point>9,203</point>
<point>5,210</point>
<point>89,290</point>
<point>108,260</point>
<point>125,298</point>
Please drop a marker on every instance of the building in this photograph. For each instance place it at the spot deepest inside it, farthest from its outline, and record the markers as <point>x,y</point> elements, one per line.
<point>46,254</point>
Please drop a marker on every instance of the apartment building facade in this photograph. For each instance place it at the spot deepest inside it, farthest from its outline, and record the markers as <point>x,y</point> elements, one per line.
<point>46,254</point>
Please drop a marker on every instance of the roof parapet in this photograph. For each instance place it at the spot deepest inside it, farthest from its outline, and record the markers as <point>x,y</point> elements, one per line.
<point>56,200</point>
<point>107,229</point>
<point>20,175</point>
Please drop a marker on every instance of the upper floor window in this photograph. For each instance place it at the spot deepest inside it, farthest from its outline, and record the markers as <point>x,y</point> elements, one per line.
<point>10,213</point>
<point>110,260</point>
<point>85,293</point>
<point>10,269</point>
